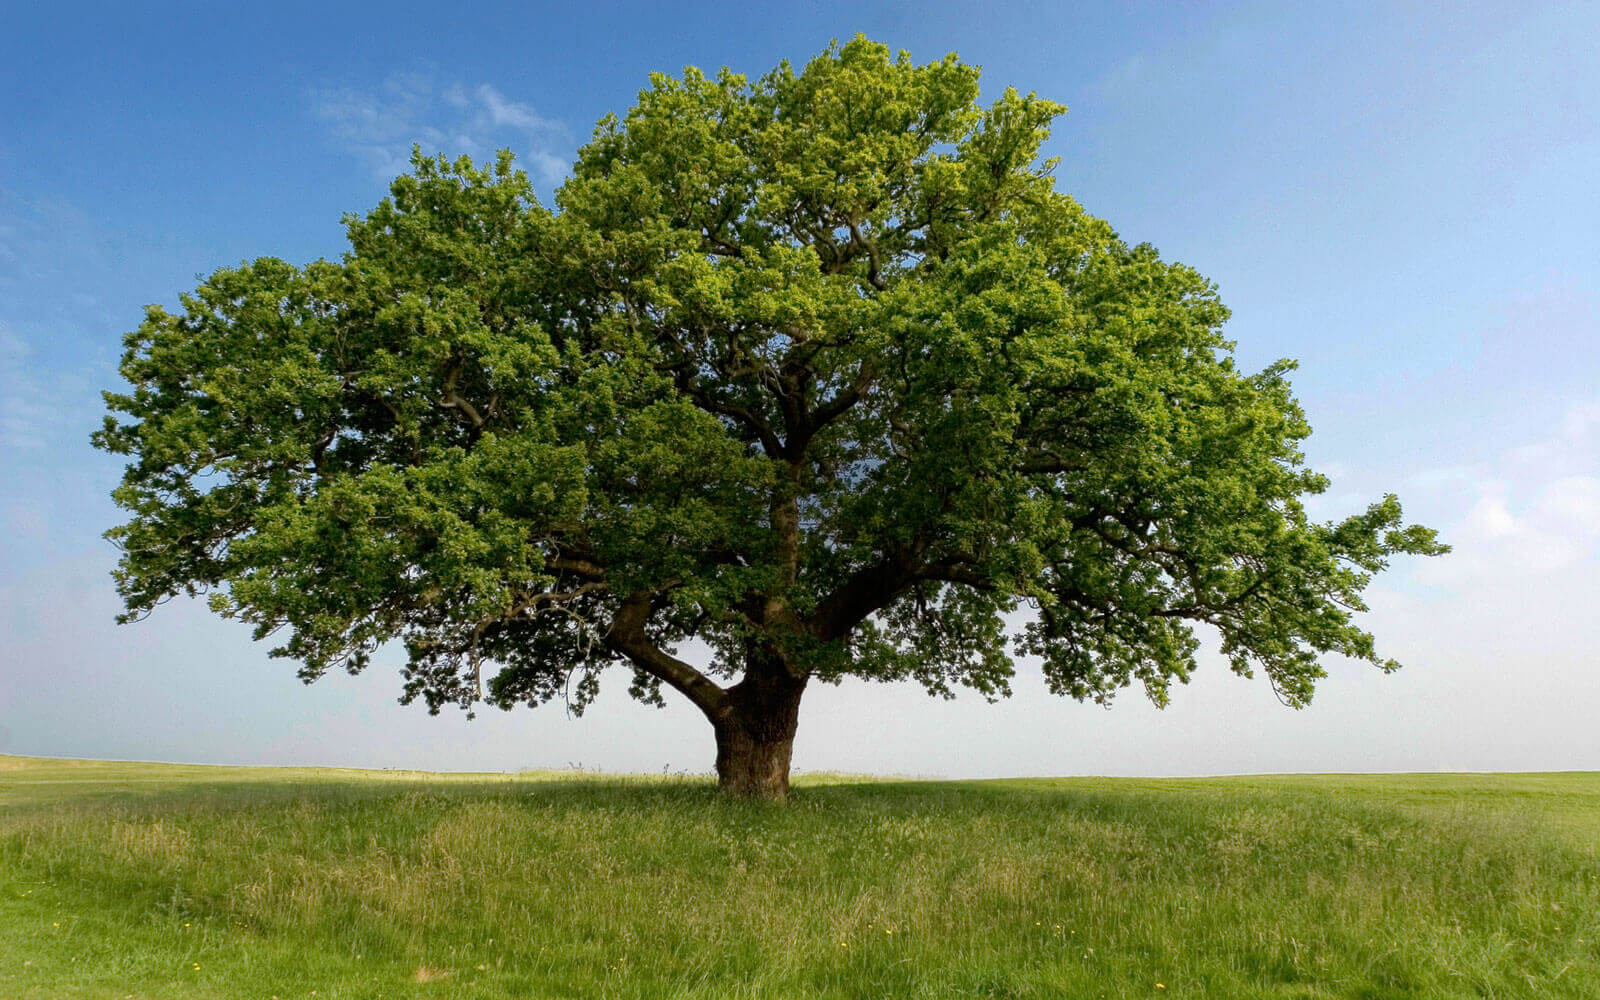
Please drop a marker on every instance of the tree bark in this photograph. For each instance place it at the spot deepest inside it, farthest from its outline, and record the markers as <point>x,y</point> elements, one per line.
<point>755,733</point>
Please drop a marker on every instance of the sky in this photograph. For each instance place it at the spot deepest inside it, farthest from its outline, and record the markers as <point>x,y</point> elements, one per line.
<point>1401,197</point>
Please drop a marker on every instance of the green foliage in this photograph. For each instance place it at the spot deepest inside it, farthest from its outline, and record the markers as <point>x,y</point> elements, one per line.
<point>819,366</point>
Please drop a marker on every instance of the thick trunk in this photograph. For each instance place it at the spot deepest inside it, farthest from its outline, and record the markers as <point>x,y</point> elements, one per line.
<point>753,765</point>
<point>755,735</point>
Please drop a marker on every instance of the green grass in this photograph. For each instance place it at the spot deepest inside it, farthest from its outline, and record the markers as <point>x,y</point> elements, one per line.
<point>142,880</point>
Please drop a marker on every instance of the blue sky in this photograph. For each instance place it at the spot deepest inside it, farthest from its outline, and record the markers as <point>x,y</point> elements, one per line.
<point>1401,197</point>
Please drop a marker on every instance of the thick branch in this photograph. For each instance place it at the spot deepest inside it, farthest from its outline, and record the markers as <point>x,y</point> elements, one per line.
<point>452,400</point>
<point>867,590</point>
<point>856,240</point>
<point>1047,462</point>
<point>957,569</point>
<point>873,587</point>
<point>534,602</point>
<point>698,394</point>
<point>627,637</point>
<point>844,398</point>
<point>574,558</point>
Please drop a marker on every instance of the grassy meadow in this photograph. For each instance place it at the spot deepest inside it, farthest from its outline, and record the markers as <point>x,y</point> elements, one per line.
<point>157,881</point>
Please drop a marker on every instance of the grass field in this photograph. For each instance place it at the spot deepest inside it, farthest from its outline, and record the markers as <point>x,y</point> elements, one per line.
<point>156,881</point>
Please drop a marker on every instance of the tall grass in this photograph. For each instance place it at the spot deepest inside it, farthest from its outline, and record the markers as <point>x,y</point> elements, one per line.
<point>154,881</point>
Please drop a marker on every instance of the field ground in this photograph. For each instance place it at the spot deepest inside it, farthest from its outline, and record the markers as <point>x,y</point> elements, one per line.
<point>157,881</point>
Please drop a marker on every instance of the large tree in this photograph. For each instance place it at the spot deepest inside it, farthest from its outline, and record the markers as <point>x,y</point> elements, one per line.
<point>819,369</point>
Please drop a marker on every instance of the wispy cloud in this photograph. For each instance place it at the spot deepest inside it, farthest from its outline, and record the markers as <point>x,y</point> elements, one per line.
<point>22,417</point>
<point>381,125</point>
<point>1535,511</point>
<point>56,327</point>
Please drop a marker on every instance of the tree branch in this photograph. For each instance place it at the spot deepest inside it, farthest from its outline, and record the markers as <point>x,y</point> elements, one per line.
<point>452,400</point>
<point>873,277</point>
<point>586,568</point>
<point>845,398</point>
<point>867,590</point>
<point>701,397</point>
<point>627,637</point>
<point>871,588</point>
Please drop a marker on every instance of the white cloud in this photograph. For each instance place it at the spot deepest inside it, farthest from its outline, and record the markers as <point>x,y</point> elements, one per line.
<point>22,419</point>
<point>381,126</point>
<point>1532,512</point>
<point>517,115</point>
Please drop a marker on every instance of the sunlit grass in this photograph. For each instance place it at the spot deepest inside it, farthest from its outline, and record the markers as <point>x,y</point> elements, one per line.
<point>121,880</point>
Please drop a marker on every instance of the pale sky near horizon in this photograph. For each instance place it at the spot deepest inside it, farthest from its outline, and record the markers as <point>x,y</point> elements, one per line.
<point>1402,197</point>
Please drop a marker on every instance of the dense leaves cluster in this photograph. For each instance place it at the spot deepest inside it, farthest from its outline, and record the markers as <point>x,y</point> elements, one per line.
<point>820,368</point>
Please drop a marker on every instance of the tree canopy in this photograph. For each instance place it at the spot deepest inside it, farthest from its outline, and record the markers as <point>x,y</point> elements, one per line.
<point>819,368</point>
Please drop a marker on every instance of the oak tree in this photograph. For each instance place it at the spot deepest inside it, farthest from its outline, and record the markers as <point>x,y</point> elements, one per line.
<point>820,369</point>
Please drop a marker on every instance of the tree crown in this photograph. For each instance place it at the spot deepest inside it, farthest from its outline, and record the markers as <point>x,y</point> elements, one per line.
<point>819,368</point>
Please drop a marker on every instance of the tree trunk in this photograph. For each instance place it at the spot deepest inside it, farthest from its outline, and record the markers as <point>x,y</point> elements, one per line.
<point>755,734</point>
